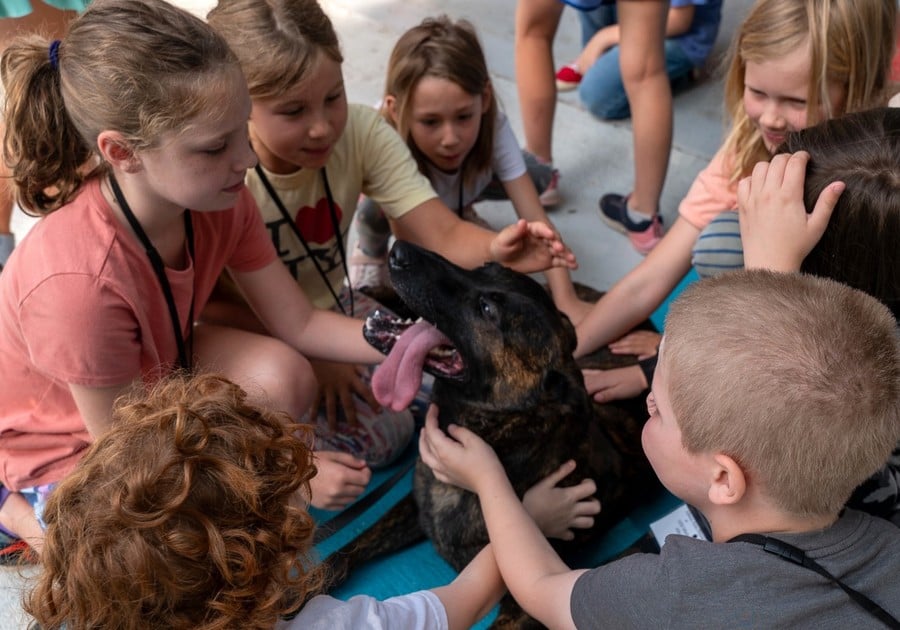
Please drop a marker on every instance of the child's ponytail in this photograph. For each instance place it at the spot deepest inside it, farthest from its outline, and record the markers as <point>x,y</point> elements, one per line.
<point>41,146</point>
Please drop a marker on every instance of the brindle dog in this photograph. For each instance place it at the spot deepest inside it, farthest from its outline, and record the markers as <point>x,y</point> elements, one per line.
<point>505,370</point>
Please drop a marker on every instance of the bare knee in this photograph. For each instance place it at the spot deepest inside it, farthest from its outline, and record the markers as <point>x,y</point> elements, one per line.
<point>283,380</point>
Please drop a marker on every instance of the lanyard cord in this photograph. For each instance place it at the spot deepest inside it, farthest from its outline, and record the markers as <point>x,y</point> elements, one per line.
<point>335,224</point>
<point>793,554</point>
<point>159,268</point>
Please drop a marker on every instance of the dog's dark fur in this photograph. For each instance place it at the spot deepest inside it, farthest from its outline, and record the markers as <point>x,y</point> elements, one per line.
<point>522,392</point>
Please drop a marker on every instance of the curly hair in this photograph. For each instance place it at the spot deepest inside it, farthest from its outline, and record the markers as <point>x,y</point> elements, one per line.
<point>186,514</point>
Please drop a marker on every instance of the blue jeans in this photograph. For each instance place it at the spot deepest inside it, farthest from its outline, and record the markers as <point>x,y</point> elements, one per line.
<point>601,90</point>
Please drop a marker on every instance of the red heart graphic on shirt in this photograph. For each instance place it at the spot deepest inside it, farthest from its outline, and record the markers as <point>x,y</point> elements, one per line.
<point>315,224</point>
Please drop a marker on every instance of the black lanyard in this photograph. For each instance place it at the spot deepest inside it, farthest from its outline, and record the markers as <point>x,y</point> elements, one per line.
<point>159,268</point>
<point>789,553</point>
<point>336,226</point>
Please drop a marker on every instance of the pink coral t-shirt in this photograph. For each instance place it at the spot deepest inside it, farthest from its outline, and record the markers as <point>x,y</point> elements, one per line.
<point>711,193</point>
<point>80,304</point>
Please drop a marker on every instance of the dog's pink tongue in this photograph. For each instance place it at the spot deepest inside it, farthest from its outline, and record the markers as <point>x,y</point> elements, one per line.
<point>396,381</point>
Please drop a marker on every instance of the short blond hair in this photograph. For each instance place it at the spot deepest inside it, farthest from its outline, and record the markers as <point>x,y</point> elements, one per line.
<point>185,514</point>
<point>795,377</point>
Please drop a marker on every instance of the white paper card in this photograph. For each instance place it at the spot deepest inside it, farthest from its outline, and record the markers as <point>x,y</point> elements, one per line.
<point>681,521</point>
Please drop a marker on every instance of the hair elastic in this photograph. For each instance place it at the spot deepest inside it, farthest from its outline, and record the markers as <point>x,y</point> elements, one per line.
<point>54,54</point>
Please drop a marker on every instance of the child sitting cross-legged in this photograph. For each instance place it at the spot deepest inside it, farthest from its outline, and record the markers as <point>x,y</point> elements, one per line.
<point>190,512</point>
<point>803,405</point>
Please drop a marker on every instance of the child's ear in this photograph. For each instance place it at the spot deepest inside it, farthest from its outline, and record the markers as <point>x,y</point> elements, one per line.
<point>728,483</point>
<point>117,151</point>
<point>389,107</point>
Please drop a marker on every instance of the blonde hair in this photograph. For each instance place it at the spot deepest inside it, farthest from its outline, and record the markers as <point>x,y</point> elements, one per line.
<point>850,44</point>
<point>276,41</point>
<point>185,514</point>
<point>142,68</point>
<point>795,377</point>
<point>441,48</point>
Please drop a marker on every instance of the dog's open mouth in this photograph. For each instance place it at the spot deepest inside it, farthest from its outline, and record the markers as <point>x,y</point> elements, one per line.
<point>411,347</point>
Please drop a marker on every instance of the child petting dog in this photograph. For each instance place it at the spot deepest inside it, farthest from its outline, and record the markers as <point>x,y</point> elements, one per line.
<point>190,512</point>
<point>803,405</point>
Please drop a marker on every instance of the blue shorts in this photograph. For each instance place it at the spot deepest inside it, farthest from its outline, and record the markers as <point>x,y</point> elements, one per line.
<point>36,496</point>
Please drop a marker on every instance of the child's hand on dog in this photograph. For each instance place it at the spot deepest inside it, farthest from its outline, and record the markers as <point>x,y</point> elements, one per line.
<point>531,246</point>
<point>338,382</point>
<point>461,458</point>
<point>558,510</point>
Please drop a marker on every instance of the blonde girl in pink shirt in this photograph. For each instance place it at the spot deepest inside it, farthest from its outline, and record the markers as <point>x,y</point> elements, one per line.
<point>792,64</point>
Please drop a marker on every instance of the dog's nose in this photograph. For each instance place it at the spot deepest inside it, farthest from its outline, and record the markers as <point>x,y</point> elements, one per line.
<point>400,258</point>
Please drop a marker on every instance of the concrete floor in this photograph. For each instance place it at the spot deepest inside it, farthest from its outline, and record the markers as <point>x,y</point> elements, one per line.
<point>594,157</point>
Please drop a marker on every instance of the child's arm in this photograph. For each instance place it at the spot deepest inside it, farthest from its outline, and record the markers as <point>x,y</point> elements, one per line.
<point>287,313</point>
<point>95,405</point>
<point>524,198</point>
<point>556,511</point>
<point>523,246</point>
<point>534,573</point>
<point>474,592</point>
<point>776,231</point>
<point>633,298</point>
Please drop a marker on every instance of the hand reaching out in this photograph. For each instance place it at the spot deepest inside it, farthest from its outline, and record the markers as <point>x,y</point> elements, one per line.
<point>615,384</point>
<point>339,479</point>
<point>776,231</point>
<point>531,246</point>
<point>338,382</point>
<point>643,343</point>
<point>558,510</point>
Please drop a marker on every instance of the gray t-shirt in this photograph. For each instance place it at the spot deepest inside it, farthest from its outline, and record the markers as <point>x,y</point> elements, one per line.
<point>698,584</point>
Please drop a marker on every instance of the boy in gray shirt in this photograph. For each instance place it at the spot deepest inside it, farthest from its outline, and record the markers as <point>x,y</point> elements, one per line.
<point>802,405</point>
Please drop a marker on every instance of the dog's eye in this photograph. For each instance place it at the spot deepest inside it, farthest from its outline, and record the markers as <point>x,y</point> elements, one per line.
<point>488,309</point>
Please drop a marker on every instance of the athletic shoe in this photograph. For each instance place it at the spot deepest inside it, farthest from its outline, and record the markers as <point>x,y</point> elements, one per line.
<point>568,77</point>
<point>367,271</point>
<point>545,178</point>
<point>551,197</point>
<point>644,235</point>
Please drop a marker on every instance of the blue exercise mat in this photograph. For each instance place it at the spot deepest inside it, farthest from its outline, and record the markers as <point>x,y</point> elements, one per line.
<point>420,567</point>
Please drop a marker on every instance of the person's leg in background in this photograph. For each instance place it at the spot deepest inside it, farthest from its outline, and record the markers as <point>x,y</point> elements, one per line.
<point>602,91</point>
<point>642,26</point>
<point>535,27</point>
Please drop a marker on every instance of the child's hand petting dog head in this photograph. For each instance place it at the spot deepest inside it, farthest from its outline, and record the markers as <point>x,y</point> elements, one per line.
<point>461,458</point>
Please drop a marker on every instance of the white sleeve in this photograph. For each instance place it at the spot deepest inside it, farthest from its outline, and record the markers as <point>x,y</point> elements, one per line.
<point>421,610</point>
<point>508,162</point>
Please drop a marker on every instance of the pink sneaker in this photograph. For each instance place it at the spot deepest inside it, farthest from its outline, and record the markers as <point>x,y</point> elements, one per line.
<point>568,77</point>
<point>644,236</point>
